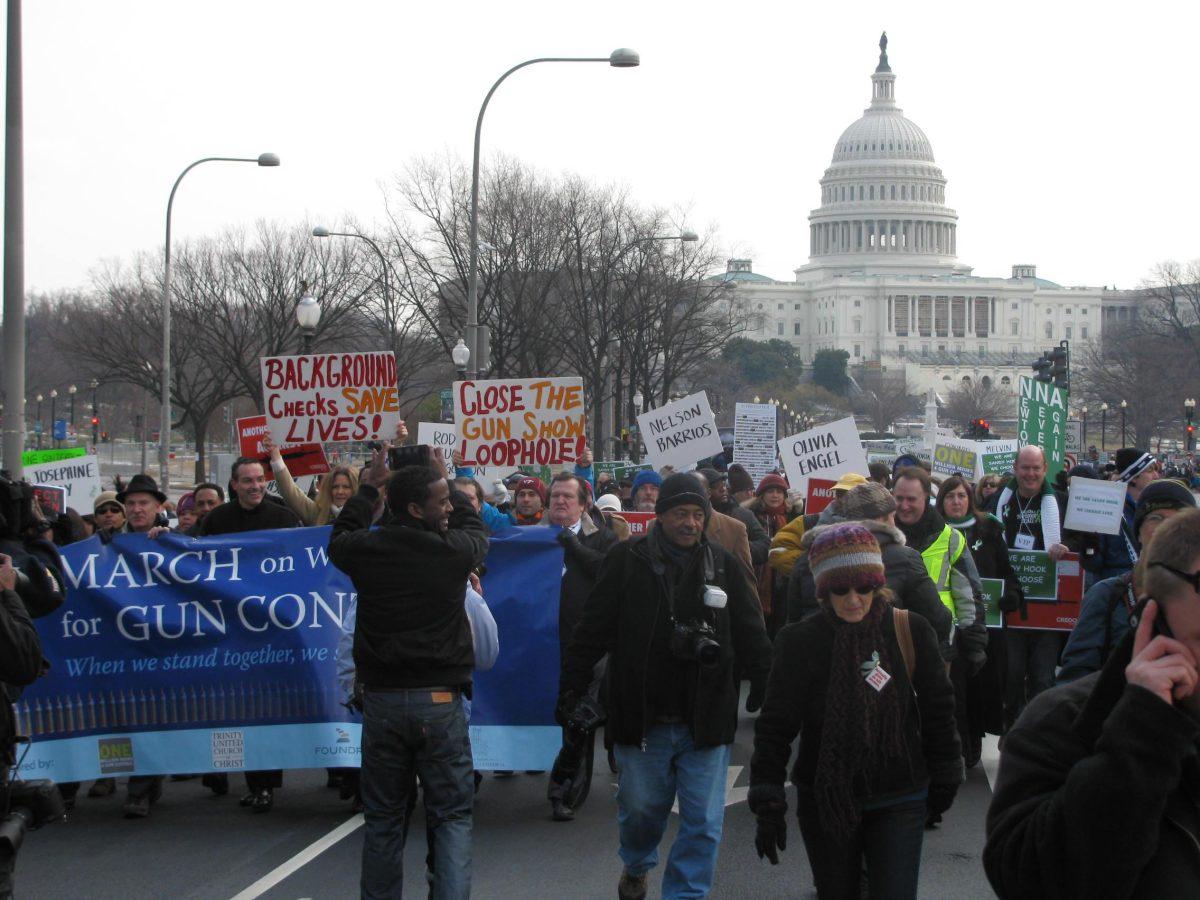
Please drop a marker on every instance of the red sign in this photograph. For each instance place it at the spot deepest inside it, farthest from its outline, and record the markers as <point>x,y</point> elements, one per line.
<point>639,522</point>
<point>819,495</point>
<point>1055,615</point>
<point>300,459</point>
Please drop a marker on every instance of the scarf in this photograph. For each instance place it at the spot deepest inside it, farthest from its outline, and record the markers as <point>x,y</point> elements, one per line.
<point>862,727</point>
<point>1051,526</point>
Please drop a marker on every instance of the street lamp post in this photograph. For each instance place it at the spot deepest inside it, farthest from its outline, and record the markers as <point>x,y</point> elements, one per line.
<point>461,357</point>
<point>635,445</point>
<point>1103,424</point>
<point>321,231</point>
<point>71,390</point>
<point>53,415</point>
<point>1189,410</point>
<point>40,426</point>
<point>308,317</point>
<point>620,59</point>
<point>1124,438</point>
<point>1083,428</point>
<point>95,414</point>
<point>164,435</point>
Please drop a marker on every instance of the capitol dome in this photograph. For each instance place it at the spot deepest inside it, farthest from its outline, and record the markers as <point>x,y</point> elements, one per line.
<point>883,200</point>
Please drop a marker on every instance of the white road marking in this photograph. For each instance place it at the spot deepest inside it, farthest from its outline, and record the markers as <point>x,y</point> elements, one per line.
<point>990,760</point>
<point>301,859</point>
<point>732,794</point>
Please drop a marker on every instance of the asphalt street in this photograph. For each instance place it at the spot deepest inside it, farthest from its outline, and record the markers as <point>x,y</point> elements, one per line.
<point>198,846</point>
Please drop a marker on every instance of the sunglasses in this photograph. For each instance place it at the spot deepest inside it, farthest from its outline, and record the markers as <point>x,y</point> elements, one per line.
<point>864,588</point>
<point>1193,579</point>
<point>108,509</point>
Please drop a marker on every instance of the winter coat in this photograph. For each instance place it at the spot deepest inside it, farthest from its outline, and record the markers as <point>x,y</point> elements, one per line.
<point>1112,556</point>
<point>985,540</point>
<point>625,617</point>
<point>581,563</point>
<point>412,628</point>
<point>20,664</point>
<point>902,567</point>
<point>727,532</point>
<point>1103,623</point>
<point>1096,794</point>
<point>40,583</point>
<point>772,584</point>
<point>795,704</point>
<point>785,545</point>
<point>756,536</point>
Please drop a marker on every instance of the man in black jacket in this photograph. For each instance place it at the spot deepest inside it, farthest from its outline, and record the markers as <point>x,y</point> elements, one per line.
<point>718,496</point>
<point>873,506</point>
<point>584,547</point>
<point>673,612</point>
<point>1096,795</point>
<point>413,656</point>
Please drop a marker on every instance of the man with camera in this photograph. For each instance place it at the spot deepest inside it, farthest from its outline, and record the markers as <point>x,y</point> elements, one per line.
<point>20,664</point>
<point>674,612</point>
<point>413,657</point>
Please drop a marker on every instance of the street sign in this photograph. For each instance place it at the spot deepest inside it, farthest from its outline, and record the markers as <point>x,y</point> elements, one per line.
<point>447,398</point>
<point>60,429</point>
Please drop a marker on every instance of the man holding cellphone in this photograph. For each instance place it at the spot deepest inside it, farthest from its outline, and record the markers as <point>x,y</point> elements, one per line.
<point>1096,795</point>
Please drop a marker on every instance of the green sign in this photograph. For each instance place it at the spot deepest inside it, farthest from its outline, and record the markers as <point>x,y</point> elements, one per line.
<point>998,463</point>
<point>993,590</point>
<point>620,469</point>
<point>545,473</point>
<point>37,457</point>
<point>1037,573</point>
<point>1042,421</point>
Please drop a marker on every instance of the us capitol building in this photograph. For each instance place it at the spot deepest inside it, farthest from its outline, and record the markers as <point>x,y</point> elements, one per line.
<point>883,281</point>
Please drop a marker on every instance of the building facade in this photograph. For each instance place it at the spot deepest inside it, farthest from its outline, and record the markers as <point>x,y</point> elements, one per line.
<point>884,283</point>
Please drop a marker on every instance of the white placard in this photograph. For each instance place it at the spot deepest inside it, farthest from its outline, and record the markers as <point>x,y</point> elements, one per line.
<point>330,397</point>
<point>754,438</point>
<point>80,477</point>
<point>955,456</point>
<point>827,451</point>
<point>1074,437</point>
<point>1095,506</point>
<point>680,433</point>
<point>443,438</point>
<point>520,422</point>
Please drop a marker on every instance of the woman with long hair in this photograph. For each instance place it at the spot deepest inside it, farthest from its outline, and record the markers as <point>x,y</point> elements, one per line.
<point>980,693</point>
<point>337,486</point>
<point>864,686</point>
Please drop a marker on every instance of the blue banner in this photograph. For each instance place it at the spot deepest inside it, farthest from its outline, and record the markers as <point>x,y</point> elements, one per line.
<point>183,655</point>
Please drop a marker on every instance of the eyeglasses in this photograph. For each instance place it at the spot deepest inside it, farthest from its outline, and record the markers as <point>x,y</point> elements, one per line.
<point>858,589</point>
<point>109,510</point>
<point>1193,579</point>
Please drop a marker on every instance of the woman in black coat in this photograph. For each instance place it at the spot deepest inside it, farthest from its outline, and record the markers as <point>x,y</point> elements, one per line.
<point>865,687</point>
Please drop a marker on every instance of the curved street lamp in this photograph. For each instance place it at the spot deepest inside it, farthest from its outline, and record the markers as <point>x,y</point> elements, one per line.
<point>320,231</point>
<point>268,160</point>
<point>622,58</point>
<point>461,355</point>
<point>308,317</point>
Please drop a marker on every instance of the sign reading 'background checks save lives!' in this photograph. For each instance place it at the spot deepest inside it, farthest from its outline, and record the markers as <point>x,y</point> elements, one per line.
<point>330,397</point>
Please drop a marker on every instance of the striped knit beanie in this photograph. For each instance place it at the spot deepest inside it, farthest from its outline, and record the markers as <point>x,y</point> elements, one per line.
<point>845,556</point>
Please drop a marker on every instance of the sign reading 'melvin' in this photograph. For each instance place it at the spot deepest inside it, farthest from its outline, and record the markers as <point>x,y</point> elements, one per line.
<point>520,421</point>
<point>331,397</point>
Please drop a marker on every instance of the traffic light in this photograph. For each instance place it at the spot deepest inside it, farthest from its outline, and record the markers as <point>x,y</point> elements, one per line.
<point>1191,437</point>
<point>1060,366</point>
<point>95,421</point>
<point>983,428</point>
<point>1041,368</point>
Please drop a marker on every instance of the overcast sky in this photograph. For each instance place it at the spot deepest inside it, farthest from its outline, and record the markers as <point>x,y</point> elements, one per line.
<point>1068,131</point>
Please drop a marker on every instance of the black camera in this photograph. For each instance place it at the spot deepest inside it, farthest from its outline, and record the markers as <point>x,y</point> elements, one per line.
<point>587,716</point>
<point>410,455</point>
<point>695,642</point>
<point>31,804</point>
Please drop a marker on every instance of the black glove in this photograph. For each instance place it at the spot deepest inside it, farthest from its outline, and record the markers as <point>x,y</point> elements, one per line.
<point>975,661</point>
<point>941,798</point>
<point>568,539</point>
<point>768,802</point>
<point>758,692</point>
<point>565,708</point>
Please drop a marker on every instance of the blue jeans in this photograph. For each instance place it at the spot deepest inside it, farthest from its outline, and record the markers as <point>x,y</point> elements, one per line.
<point>423,734</point>
<point>890,838</point>
<point>650,780</point>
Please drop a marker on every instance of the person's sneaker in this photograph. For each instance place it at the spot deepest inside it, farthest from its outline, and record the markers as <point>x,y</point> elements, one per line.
<point>561,812</point>
<point>103,787</point>
<point>262,801</point>
<point>631,887</point>
<point>137,807</point>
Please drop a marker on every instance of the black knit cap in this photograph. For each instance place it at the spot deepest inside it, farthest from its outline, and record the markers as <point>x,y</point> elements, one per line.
<point>680,489</point>
<point>1166,493</point>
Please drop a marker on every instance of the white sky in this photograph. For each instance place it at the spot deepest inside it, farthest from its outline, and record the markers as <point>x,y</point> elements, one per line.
<point>1068,131</point>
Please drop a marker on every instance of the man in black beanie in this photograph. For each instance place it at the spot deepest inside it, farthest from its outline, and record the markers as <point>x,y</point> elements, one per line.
<point>674,612</point>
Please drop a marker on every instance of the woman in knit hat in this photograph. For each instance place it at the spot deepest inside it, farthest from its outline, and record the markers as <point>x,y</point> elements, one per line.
<point>865,688</point>
<point>770,506</point>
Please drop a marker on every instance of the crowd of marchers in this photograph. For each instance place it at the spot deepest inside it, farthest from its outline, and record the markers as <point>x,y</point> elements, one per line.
<point>862,630</point>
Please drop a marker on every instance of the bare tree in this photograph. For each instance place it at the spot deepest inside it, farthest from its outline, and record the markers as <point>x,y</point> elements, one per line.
<point>972,400</point>
<point>884,398</point>
<point>1172,304</point>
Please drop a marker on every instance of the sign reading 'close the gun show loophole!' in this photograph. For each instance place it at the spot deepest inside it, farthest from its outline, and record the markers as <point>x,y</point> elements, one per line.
<point>520,421</point>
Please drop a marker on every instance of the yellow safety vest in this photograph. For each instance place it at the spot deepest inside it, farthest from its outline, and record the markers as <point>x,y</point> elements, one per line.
<point>939,558</point>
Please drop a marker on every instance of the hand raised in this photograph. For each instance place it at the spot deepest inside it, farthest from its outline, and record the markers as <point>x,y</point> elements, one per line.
<point>1160,664</point>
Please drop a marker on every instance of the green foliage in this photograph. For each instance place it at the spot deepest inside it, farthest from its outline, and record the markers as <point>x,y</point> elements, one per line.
<point>829,370</point>
<point>762,362</point>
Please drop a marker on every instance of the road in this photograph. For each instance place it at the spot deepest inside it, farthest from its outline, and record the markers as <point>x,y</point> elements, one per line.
<point>198,846</point>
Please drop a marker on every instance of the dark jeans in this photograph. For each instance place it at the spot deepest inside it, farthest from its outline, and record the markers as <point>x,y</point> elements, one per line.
<point>890,838</point>
<point>1032,657</point>
<point>144,786</point>
<point>421,733</point>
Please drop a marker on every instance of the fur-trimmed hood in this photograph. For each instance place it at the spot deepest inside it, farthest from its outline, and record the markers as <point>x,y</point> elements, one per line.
<point>884,533</point>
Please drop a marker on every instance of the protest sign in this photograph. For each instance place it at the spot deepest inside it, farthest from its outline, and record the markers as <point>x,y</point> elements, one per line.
<point>331,397</point>
<point>639,522</point>
<point>754,438</point>
<point>1035,570</point>
<point>300,459</point>
<point>1041,421</point>
<point>51,499</point>
<point>1095,506</point>
<point>181,655</point>
<point>37,457</point>
<point>996,457</point>
<point>953,456</point>
<point>620,469</point>
<point>681,433</point>
<point>520,422</point>
<point>1054,590</point>
<point>443,439</point>
<point>993,591</point>
<point>79,475</point>
<point>1073,437</point>
<point>827,451</point>
<point>818,496</point>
